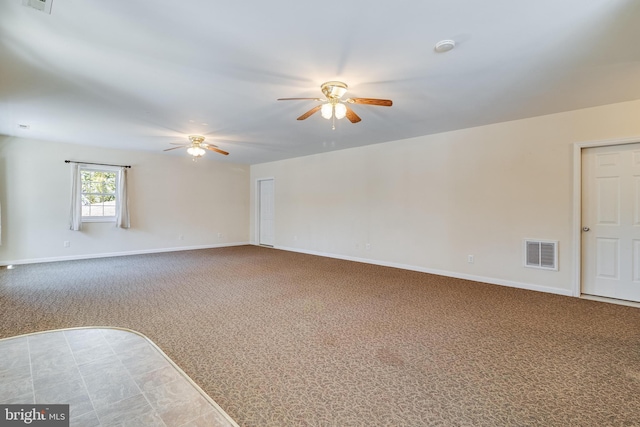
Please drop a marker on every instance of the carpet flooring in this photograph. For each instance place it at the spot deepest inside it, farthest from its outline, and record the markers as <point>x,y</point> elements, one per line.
<point>286,339</point>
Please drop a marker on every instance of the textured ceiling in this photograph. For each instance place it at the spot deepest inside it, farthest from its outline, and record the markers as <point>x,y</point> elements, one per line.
<point>139,75</point>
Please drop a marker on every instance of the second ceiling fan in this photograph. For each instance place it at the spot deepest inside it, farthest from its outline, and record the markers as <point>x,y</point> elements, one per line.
<point>336,107</point>
<point>196,146</point>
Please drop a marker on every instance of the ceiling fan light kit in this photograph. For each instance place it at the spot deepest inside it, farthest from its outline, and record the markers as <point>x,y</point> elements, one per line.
<point>196,147</point>
<point>196,151</point>
<point>340,111</point>
<point>327,111</point>
<point>334,106</point>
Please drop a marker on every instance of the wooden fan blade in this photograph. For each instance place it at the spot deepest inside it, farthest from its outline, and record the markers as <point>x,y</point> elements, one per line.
<point>352,116</point>
<point>179,143</point>
<point>295,99</point>
<point>371,101</point>
<point>310,112</point>
<point>205,144</point>
<point>174,148</point>
<point>217,150</point>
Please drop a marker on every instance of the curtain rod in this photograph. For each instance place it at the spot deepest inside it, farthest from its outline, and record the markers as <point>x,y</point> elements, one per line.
<point>100,164</point>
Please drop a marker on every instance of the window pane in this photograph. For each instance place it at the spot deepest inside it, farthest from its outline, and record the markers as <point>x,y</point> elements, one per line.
<point>98,193</point>
<point>110,209</point>
<point>96,210</point>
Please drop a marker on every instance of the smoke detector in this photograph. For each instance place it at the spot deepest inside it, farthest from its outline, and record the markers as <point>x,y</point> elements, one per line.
<point>41,5</point>
<point>444,46</point>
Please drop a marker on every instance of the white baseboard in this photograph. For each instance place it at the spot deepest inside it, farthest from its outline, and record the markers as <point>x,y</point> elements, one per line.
<point>114,254</point>
<point>490,280</point>
<point>611,300</point>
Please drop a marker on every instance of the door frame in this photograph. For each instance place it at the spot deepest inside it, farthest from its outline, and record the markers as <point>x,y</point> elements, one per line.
<point>577,202</point>
<point>257,207</point>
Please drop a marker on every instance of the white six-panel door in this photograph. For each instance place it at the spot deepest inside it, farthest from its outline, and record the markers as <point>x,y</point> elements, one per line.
<point>611,221</point>
<point>266,212</point>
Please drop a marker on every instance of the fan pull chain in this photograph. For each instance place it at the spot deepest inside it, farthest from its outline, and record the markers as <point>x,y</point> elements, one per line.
<point>333,122</point>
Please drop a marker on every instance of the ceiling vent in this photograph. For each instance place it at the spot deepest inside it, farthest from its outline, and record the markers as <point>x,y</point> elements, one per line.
<point>541,254</point>
<point>41,5</point>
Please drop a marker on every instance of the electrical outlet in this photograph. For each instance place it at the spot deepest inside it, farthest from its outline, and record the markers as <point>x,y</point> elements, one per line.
<point>66,243</point>
<point>470,259</point>
<point>219,235</point>
<point>181,237</point>
<point>368,246</point>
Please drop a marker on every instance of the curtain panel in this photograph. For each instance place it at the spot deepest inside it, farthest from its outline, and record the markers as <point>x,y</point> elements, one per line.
<point>75,217</point>
<point>122,212</point>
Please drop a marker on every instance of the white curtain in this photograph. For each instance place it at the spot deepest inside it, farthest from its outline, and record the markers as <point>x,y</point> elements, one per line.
<point>75,218</point>
<point>122,214</point>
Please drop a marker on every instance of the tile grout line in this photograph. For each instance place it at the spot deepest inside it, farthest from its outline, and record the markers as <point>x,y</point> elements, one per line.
<point>130,376</point>
<point>33,387</point>
<point>83,381</point>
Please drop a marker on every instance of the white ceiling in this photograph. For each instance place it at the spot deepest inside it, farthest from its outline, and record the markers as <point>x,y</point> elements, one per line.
<point>139,74</point>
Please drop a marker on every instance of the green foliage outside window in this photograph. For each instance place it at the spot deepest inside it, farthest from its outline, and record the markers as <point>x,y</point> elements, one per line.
<point>98,193</point>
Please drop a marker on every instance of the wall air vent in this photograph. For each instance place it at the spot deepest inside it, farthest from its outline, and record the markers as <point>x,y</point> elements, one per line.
<point>541,254</point>
<point>41,5</point>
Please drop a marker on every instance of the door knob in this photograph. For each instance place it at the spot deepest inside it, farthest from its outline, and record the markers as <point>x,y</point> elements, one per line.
<point>585,229</point>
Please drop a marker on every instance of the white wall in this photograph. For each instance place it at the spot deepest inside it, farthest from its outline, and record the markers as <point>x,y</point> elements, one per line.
<point>169,196</point>
<point>427,203</point>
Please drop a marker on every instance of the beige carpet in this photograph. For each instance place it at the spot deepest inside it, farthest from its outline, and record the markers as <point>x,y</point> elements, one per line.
<point>285,339</point>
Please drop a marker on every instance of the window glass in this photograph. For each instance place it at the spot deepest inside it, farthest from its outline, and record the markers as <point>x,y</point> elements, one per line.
<point>98,194</point>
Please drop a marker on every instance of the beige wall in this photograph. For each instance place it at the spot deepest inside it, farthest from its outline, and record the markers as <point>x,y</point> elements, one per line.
<point>427,203</point>
<point>424,203</point>
<point>169,196</point>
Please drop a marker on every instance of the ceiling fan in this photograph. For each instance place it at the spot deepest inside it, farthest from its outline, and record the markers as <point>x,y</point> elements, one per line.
<point>334,106</point>
<point>197,146</point>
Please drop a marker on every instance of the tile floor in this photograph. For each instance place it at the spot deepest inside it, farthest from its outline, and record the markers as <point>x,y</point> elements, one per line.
<point>109,377</point>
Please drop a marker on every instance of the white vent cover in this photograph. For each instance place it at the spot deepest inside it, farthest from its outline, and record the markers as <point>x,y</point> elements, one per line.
<point>541,254</point>
<point>41,5</point>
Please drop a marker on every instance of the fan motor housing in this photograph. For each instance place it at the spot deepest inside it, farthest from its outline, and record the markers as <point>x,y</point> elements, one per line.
<point>196,139</point>
<point>334,89</point>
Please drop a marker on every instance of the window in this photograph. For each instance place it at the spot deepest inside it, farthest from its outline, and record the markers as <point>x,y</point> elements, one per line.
<point>99,193</point>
